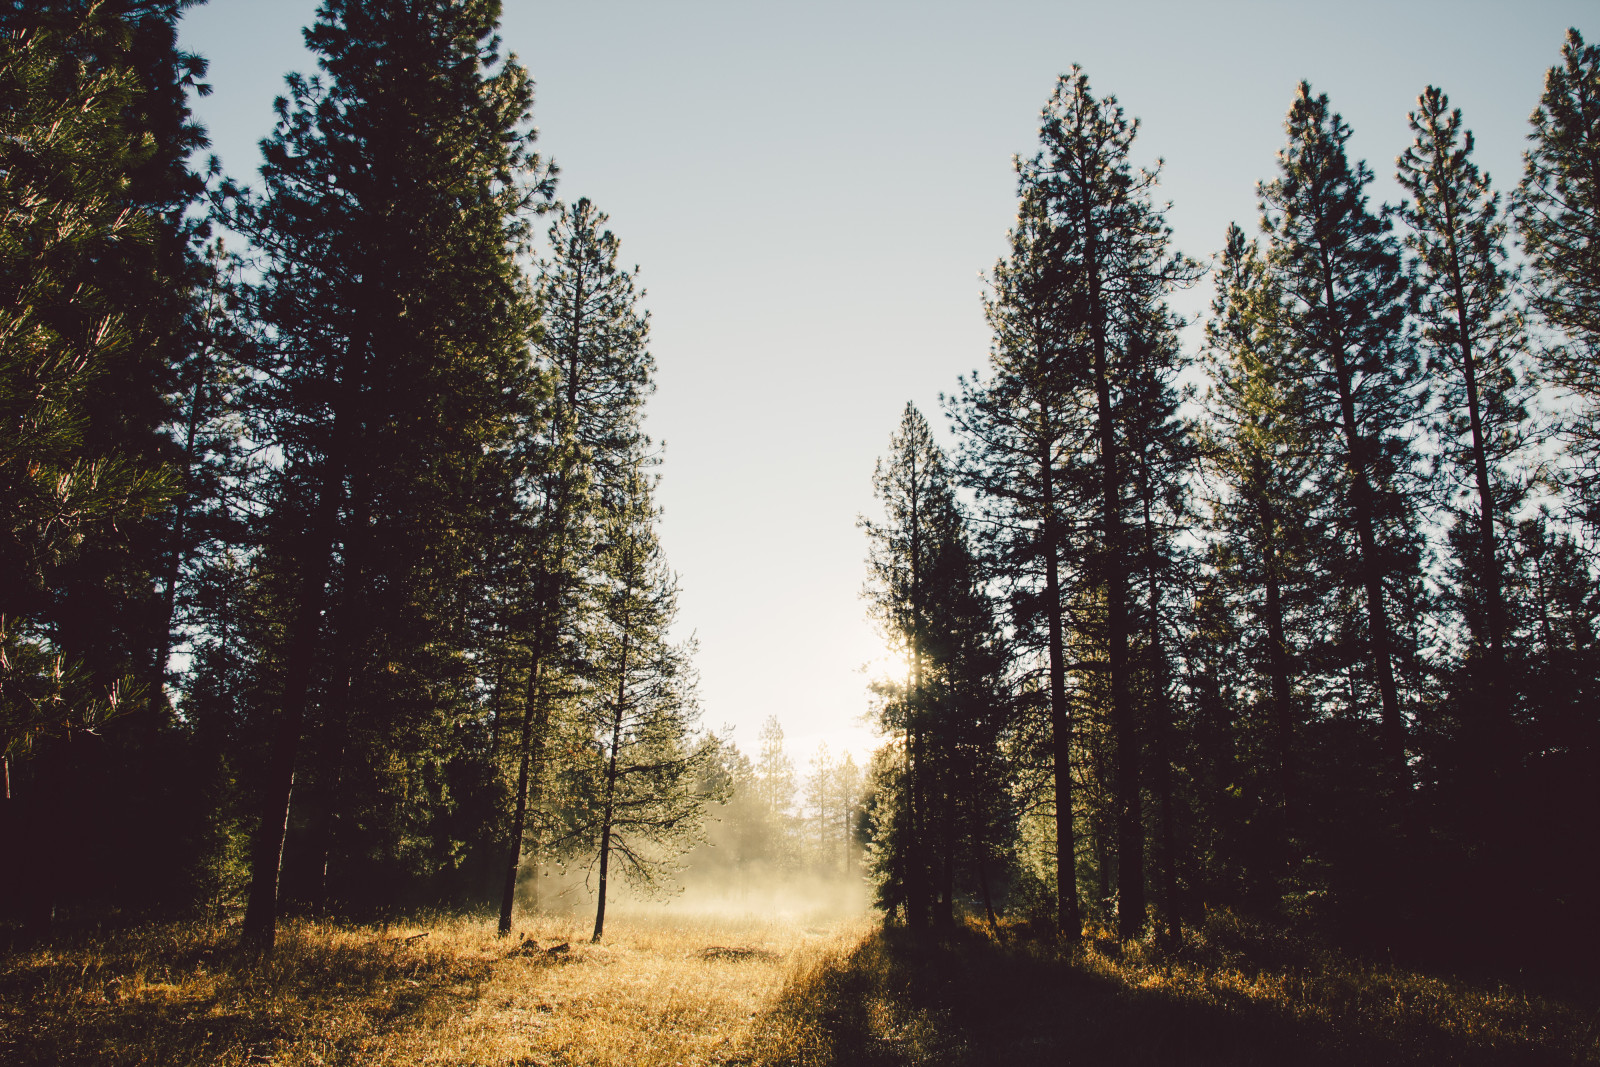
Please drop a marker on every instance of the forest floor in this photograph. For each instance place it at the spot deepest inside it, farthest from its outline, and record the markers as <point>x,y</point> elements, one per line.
<point>661,989</point>
<point>1236,994</point>
<point>667,989</point>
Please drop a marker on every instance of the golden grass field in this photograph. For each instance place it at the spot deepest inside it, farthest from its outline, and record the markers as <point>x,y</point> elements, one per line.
<point>666,989</point>
<point>660,990</point>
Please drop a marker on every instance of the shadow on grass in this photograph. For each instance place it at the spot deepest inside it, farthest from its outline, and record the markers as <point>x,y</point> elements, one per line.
<point>173,995</point>
<point>962,999</point>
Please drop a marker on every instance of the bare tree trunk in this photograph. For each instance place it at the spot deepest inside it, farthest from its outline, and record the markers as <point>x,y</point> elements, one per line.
<point>1124,724</point>
<point>261,913</point>
<point>508,887</point>
<point>1161,728</point>
<point>611,791</point>
<point>1069,915</point>
<point>1278,671</point>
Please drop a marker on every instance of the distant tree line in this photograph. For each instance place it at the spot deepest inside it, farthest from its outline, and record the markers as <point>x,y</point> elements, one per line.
<point>1300,620</point>
<point>330,577</point>
<point>780,829</point>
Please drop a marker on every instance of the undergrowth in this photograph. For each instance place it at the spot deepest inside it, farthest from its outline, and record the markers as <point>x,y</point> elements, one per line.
<point>1237,993</point>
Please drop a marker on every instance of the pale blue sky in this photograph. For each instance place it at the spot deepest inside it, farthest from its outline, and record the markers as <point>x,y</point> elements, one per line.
<point>811,191</point>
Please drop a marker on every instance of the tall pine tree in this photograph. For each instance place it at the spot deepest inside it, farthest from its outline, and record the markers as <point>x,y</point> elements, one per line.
<point>1343,314</point>
<point>1110,249</point>
<point>1558,216</point>
<point>577,452</point>
<point>396,325</point>
<point>1474,338</point>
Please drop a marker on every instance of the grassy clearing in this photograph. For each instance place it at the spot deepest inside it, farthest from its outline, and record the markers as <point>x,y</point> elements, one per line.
<point>1237,995</point>
<point>668,988</point>
<point>660,990</point>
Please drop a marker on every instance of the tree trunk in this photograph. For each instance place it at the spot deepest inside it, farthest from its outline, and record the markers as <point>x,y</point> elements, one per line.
<point>1124,725</point>
<point>175,556</point>
<point>535,795</point>
<point>508,886</point>
<point>1069,916</point>
<point>1278,671</point>
<point>1378,630</point>
<point>261,913</point>
<point>917,887</point>
<point>916,817</point>
<point>1161,728</point>
<point>988,901</point>
<point>546,628</point>
<point>611,792</point>
<point>947,874</point>
<point>1498,743</point>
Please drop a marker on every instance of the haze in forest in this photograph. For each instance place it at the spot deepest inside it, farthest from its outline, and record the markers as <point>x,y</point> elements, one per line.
<point>423,637</point>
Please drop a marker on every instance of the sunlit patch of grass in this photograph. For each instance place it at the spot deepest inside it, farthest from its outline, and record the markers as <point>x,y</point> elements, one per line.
<point>1237,994</point>
<point>650,994</point>
<point>330,994</point>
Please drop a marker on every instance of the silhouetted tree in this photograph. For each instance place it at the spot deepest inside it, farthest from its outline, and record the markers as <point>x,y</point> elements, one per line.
<point>1343,316</point>
<point>1258,465</point>
<point>97,269</point>
<point>395,324</point>
<point>1474,337</point>
<point>1109,243</point>
<point>1558,215</point>
<point>1020,429</point>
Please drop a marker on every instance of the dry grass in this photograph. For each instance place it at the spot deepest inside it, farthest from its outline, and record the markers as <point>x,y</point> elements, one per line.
<point>673,989</point>
<point>660,990</point>
<point>1237,995</point>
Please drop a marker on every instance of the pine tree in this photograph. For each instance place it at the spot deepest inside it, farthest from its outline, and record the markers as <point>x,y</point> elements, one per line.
<point>1161,456</point>
<point>396,323</point>
<point>774,771</point>
<point>1558,216</point>
<point>1551,802</point>
<point>1344,296</point>
<point>575,456</point>
<point>108,281</point>
<point>847,781</point>
<point>822,802</point>
<point>97,262</point>
<point>1019,429</point>
<point>213,466</point>
<point>61,334</point>
<point>917,494</point>
<point>1474,337</point>
<point>968,712</point>
<point>1110,249</point>
<point>1259,459</point>
<point>640,707</point>
<point>927,592</point>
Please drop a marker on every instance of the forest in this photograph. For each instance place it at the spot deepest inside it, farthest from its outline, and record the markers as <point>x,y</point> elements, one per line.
<point>1246,685</point>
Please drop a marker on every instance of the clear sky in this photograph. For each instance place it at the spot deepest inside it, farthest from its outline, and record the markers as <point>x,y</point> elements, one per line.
<point>812,191</point>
